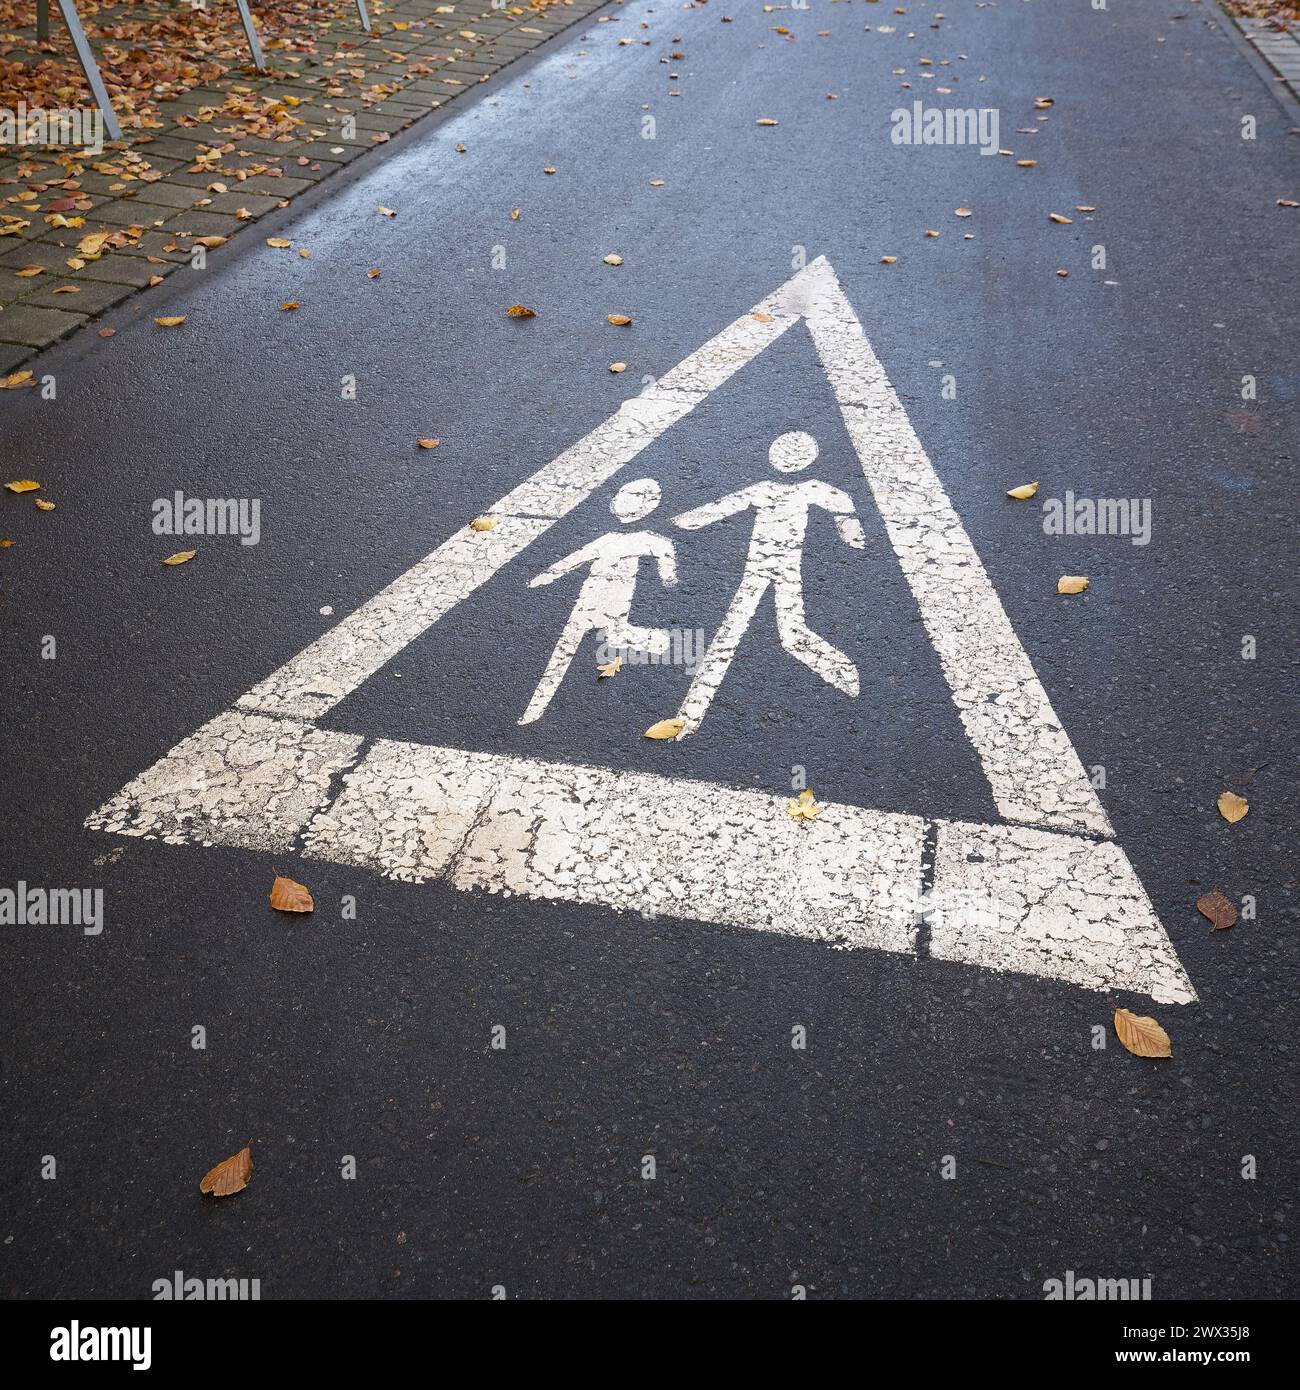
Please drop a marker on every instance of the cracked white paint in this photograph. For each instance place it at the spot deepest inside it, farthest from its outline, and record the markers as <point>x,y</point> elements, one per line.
<point>1068,905</point>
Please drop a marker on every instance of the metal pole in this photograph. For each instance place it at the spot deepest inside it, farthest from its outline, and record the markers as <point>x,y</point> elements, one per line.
<point>365,17</point>
<point>88,65</point>
<point>246,19</point>
<point>43,20</point>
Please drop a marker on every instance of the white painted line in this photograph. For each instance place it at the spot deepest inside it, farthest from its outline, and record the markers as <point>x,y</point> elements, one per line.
<point>1066,906</point>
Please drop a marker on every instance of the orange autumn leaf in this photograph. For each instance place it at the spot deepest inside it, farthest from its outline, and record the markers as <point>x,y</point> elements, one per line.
<point>1143,1036</point>
<point>288,896</point>
<point>231,1175</point>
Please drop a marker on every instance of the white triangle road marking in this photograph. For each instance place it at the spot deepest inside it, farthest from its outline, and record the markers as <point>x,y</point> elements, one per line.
<point>1066,901</point>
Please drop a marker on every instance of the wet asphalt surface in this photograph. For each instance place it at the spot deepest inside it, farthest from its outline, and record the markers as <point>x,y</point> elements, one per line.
<point>370,1037</point>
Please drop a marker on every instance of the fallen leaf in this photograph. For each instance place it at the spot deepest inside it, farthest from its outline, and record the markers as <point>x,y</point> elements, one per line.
<point>385,212</point>
<point>24,485</point>
<point>1042,103</point>
<point>373,273</point>
<point>1023,492</point>
<point>521,311</point>
<point>1231,806</point>
<point>1057,217</point>
<point>1217,909</point>
<point>1083,207</point>
<point>1064,274</point>
<point>656,183</point>
<point>229,1176</point>
<point>762,317</point>
<point>173,321</point>
<point>68,289</point>
<point>1071,584</point>
<point>281,243</point>
<point>1143,1037</point>
<point>514,214</point>
<point>610,668</point>
<point>107,332</point>
<point>766,120</point>
<point>427,443</point>
<point>665,728</point>
<point>928,233</point>
<point>211,242</point>
<point>550,169</point>
<point>15,380</point>
<point>180,557</point>
<point>483,523</point>
<point>613,259</point>
<point>29,271</point>
<point>44,505</point>
<point>619,320</point>
<point>1287,203</point>
<point>961,212</point>
<point>155,280</point>
<point>804,807</point>
<point>4,544</point>
<point>288,896</point>
<point>888,260</point>
<point>289,304</point>
<point>1026,163</point>
<point>617,367</point>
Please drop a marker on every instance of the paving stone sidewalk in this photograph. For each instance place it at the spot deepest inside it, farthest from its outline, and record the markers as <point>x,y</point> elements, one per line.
<point>1280,49</point>
<point>80,233</point>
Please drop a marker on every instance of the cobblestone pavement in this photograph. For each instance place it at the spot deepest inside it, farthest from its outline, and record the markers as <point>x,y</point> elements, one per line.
<point>210,143</point>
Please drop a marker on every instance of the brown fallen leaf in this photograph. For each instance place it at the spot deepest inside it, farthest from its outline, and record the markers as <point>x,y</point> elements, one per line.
<point>23,485</point>
<point>483,523</point>
<point>1026,163</point>
<point>1216,908</point>
<point>1071,584</point>
<point>665,728</point>
<point>961,212</point>
<point>1083,207</point>
<point>172,321</point>
<point>762,317</point>
<point>550,169</point>
<point>610,668</point>
<point>373,273</point>
<point>1287,203</point>
<point>888,260</point>
<point>5,544</point>
<point>521,311</point>
<point>766,120</point>
<point>1231,806</point>
<point>181,557</point>
<point>281,243</point>
<point>804,806</point>
<point>288,896</point>
<point>44,505</point>
<point>1042,103</point>
<point>108,332</point>
<point>1023,492</point>
<point>155,280</point>
<point>68,289</point>
<point>211,242</point>
<point>514,214</point>
<point>1143,1036</point>
<point>1064,274</point>
<point>619,320</point>
<point>1058,217</point>
<point>427,443</point>
<point>29,271</point>
<point>657,183</point>
<point>231,1175</point>
<point>385,212</point>
<point>289,304</point>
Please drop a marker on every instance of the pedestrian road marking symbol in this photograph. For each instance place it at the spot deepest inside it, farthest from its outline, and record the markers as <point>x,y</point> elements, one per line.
<point>1045,891</point>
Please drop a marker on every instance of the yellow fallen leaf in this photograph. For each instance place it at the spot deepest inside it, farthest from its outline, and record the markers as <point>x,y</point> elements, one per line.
<point>665,728</point>
<point>804,807</point>
<point>427,443</point>
<point>1026,163</point>
<point>24,485</point>
<point>483,523</point>
<point>613,259</point>
<point>928,233</point>
<point>617,367</point>
<point>888,260</point>
<point>619,320</point>
<point>171,321</point>
<point>288,896</point>
<point>385,212</point>
<point>610,668</point>
<point>281,243</point>
<point>1064,274</point>
<point>15,380</point>
<point>1023,492</point>
<point>229,1176</point>
<point>180,557</point>
<point>155,280</point>
<point>289,304</point>
<point>211,242</point>
<point>373,273</point>
<point>304,253</point>
<point>766,120</point>
<point>514,214</point>
<point>550,169</point>
<point>1143,1036</point>
<point>1057,217</point>
<point>961,212</point>
<point>521,311</point>
<point>28,271</point>
<point>762,317</point>
<point>1232,807</point>
<point>1071,584</point>
<point>656,183</point>
<point>1042,103</point>
<point>1083,207</point>
<point>44,505</point>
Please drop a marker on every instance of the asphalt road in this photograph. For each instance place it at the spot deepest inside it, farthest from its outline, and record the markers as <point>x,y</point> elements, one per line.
<point>631,1035</point>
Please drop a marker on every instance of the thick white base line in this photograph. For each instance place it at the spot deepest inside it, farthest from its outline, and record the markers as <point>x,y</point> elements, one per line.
<point>1069,905</point>
<point>1004,897</point>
